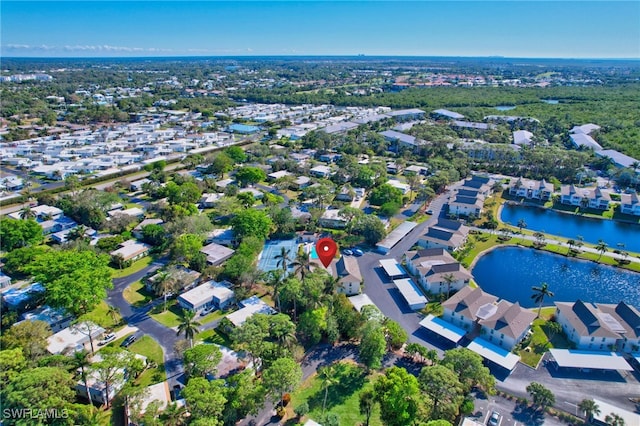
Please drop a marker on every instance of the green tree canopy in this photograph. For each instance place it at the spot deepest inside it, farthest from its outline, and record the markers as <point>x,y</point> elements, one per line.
<point>385,194</point>
<point>444,389</point>
<point>249,175</point>
<point>236,154</point>
<point>251,222</point>
<point>373,345</point>
<point>202,360</point>
<point>19,233</point>
<point>74,280</point>
<point>281,377</point>
<point>370,227</point>
<point>205,399</point>
<point>471,372</point>
<point>401,403</point>
<point>40,388</point>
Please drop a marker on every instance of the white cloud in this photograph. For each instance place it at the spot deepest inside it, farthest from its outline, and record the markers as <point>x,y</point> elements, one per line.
<point>84,48</point>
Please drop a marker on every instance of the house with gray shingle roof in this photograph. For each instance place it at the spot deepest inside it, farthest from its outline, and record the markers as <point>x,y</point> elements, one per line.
<point>600,326</point>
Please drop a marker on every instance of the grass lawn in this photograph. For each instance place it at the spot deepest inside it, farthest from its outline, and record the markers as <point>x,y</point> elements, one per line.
<point>101,317</point>
<point>342,398</point>
<point>540,341</point>
<point>217,314</point>
<point>172,316</point>
<point>137,294</point>
<point>148,347</point>
<point>135,267</point>
<point>214,336</point>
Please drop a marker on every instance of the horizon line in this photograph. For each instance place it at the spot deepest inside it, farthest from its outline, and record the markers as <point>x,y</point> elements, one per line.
<point>358,55</point>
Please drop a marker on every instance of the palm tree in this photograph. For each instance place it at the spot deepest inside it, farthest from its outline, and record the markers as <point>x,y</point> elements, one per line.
<point>81,360</point>
<point>331,283</point>
<point>570,243</point>
<point>188,325</point>
<point>522,224</point>
<point>275,279</point>
<point>173,415</point>
<point>283,259</point>
<point>164,284</point>
<point>589,408</point>
<point>77,233</point>
<point>367,401</point>
<point>113,312</point>
<point>327,377</point>
<point>539,293</point>
<point>26,213</point>
<point>601,247</point>
<point>302,264</point>
<point>449,279</point>
<point>614,419</point>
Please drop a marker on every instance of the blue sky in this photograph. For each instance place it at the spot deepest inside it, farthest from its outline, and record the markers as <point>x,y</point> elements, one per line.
<point>567,29</point>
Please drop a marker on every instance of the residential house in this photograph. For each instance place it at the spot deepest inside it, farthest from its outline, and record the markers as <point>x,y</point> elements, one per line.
<point>437,271</point>
<point>580,140</point>
<point>208,200</point>
<point>278,175</point>
<point>346,269</point>
<point>594,198</point>
<point>5,280</point>
<point>522,137</point>
<point>463,205</point>
<point>630,204</point>
<point>330,157</point>
<point>600,327</point>
<point>346,194</point>
<point>531,189</point>
<point>130,250</point>
<point>187,278</point>
<point>248,308</point>
<point>404,187</point>
<point>216,253</point>
<point>585,128</point>
<point>472,125</point>
<point>401,140</point>
<point>462,308</point>
<point>418,170</point>
<point>619,159</point>
<point>301,182</point>
<point>446,114</point>
<point>57,319</point>
<point>209,294</point>
<point>134,212</point>
<point>331,218</point>
<point>98,392</point>
<point>447,234</point>
<point>505,324</point>
<point>320,171</point>
<point>17,299</point>
<point>406,114</point>
<point>137,231</point>
<point>73,338</point>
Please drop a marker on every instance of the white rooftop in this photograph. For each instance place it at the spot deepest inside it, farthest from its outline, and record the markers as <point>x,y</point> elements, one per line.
<point>252,306</point>
<point>392,267</point>
<point>410,292</point>
<point>443,328</point>
<point>630,418</point>
<point>396,235</point>
<point>494,353</point>
<point>71,337</point>
<point>207,291</point>
<point>588,359</point>
<point>360,301</point>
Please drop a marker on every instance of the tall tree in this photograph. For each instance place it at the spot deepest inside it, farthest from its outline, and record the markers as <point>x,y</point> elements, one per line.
<point>202,360</point>
<point>76,281</point>
<point>283,259</point>
<point>188,325</point>
<point>282,377</point>
<point>111,368</point>
<point>40,389</point>
<point>27,213</point>
<point>614,419</point>
<point>539,294</point>
<point>469,368</point>
<point>81,361</point>
<point>445,390</point>
<point>251,222</point>
<point>367,402</point>
<point>372,345</point>
<point>327,376</point>
<point>205,399</point>
<point>275,279</point>
<point>589,408</point>
<point>399,396</point>
<point>302,264</point>
<point>19,233</point>
<point>602,248</point>
<point>541,396</point>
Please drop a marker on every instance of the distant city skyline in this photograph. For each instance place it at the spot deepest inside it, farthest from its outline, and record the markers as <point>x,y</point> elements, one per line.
<point>519,29</point>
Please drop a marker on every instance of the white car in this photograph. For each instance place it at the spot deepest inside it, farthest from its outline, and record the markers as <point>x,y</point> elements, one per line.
<point>106,339</point>
<point>494,420</point>
<point>206,311</point>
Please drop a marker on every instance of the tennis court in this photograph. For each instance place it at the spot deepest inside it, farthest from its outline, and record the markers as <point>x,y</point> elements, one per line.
<point>268,261</point>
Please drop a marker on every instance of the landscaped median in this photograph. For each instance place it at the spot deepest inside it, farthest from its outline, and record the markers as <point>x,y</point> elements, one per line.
<point>172,316</point>
<point>136,266</point>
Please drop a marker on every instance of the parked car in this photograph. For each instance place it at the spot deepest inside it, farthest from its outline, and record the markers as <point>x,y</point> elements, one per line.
<point>357,252</point>
<point>347,252</point>
<point>206,311</point>
<point>110,337</point>
<point>429,211</point>
<point>128,341</point>
<point>494,420</point>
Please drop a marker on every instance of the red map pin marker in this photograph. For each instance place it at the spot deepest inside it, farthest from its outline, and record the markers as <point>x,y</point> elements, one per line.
<point>326,249</point>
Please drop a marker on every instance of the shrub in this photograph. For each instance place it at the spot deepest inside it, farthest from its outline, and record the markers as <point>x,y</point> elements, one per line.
<point>280,411</point>
<point>286,399</point>
<point>301,409</point>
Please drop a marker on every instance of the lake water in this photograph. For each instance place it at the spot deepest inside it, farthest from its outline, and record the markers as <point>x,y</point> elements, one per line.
<point>505,107</point>
<point>550,101</point>
<point>510,272</point>
<point>570,226</point>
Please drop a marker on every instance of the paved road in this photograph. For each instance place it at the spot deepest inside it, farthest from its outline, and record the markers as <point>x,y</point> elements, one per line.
<point>139,317</point>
